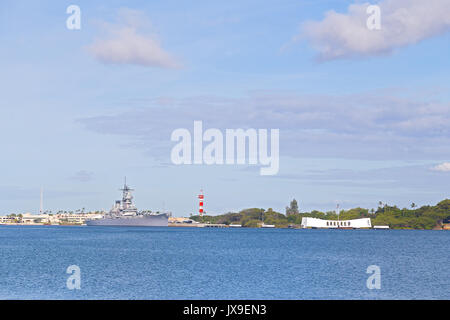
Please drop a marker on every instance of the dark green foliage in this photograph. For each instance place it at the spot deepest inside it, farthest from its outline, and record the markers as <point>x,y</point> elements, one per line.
<point>425,217</point>
<point>293,208</point>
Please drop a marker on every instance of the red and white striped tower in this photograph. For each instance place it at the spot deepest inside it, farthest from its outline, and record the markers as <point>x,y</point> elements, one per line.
<point>200,203</point>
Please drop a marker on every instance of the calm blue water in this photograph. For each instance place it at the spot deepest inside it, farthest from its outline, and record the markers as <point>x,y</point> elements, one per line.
<point>198,263</point>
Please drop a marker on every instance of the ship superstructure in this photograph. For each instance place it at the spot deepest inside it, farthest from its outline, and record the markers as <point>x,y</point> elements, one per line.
<point>125,213</point>
<point>126,206</point>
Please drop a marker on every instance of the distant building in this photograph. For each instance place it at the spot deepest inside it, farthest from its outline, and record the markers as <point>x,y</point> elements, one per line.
<point>381,227</point>
<point>77,218</point>
<point>28,218</point>
<point>53,219</point>
<point>180,220</point>
<point>7,219</point>
<point>446,224</point>
<point>314,223</point>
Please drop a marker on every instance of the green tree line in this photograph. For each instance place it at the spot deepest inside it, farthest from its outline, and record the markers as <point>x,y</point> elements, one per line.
<point>425,217</point>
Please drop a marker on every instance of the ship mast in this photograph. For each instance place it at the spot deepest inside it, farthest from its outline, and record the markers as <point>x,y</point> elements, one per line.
<point>127,198</point>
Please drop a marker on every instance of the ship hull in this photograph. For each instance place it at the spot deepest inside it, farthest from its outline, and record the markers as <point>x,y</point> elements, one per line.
<point>157,220</point>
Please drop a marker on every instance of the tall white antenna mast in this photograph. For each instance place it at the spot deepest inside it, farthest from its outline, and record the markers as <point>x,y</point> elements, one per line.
<point>41,208</point>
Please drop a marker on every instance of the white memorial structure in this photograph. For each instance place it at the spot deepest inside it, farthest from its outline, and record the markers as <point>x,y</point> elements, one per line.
<point>313,223</point>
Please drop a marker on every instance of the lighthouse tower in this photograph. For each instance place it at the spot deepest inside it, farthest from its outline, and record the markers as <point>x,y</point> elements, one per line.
<point>201,197</point>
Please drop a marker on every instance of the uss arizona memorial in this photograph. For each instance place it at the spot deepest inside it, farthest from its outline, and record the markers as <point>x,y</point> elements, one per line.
<point>313,223</point>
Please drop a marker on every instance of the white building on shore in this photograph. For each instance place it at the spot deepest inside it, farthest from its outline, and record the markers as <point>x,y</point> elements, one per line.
<point>314,223</point>
<point>52,219</point>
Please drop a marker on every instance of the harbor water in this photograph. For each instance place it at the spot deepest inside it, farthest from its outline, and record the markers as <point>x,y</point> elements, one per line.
<point>226,263</point>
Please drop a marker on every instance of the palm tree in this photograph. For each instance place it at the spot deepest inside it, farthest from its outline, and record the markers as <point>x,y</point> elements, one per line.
<point>385,207</point>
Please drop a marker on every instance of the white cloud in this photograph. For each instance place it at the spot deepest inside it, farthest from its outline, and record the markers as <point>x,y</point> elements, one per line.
<point>444,167</point>
<point>124,45</point>
<point>403,22</point>
<point>369,126</point>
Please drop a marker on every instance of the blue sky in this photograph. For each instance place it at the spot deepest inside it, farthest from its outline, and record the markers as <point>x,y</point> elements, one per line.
<point>363,116</point>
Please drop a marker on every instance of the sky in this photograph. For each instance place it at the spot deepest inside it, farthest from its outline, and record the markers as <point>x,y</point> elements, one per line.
<point>363,114</point>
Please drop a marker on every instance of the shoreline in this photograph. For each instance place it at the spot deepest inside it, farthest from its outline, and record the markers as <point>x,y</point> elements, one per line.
<point>188,225</point>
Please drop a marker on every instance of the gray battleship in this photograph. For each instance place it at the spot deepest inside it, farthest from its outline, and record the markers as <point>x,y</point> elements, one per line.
<point>125,214</point>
